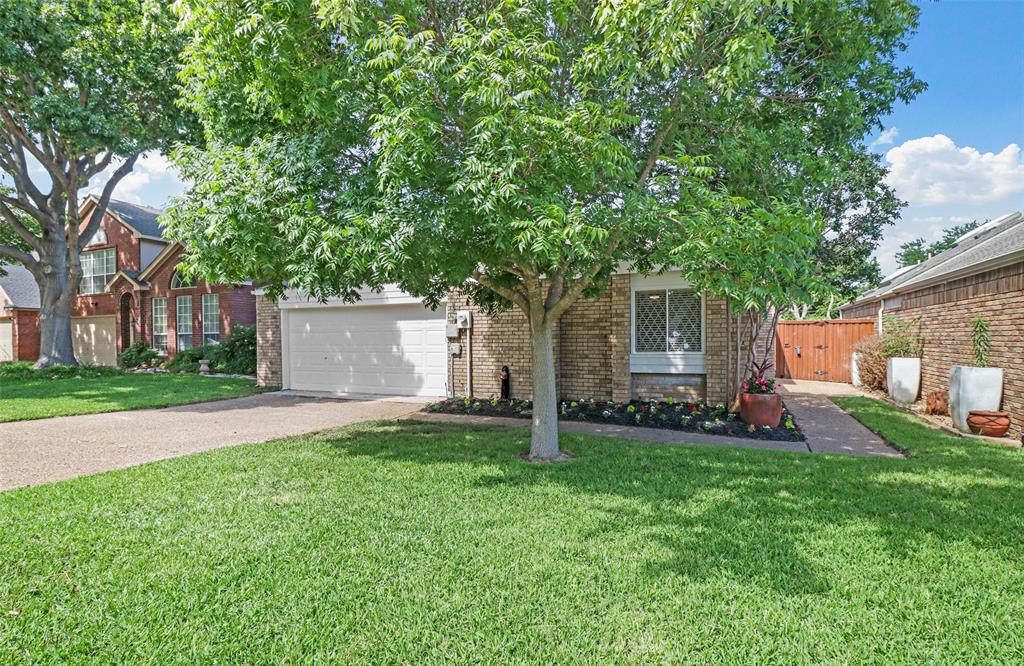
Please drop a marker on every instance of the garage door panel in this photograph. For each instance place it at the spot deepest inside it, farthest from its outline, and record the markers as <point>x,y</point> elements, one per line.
<point>391,350</point>
<point>94,340</point>
<point>6,341</point>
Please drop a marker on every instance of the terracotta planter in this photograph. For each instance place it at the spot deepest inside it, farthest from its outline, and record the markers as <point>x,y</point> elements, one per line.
<point>990,424</point>
<point>761,409</point>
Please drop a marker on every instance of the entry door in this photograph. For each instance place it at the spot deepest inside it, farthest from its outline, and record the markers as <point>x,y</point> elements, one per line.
<point>387,350</point>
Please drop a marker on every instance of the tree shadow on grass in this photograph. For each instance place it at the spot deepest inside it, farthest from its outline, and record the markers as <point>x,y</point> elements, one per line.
<point>752,515</point>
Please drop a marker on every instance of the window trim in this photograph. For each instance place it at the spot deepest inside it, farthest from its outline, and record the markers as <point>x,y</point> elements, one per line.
<point>93,241</point>
<point>177,276</point>
<point>666,362</point>
<point>178,334</point>
<point>202,313</point>
<point>92,253</point>
<point>166,326</point>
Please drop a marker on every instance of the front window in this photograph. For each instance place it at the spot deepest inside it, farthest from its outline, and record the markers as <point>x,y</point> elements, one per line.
<point>211,319</point>
<point>667,321</point>
<point>184,321</point>
<point>98,267</point>
<point>160,325</point>
<point>98,238</point>
<point>178,281</point>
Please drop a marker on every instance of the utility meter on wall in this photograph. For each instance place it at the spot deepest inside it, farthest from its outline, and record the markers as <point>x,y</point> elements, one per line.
<point>463,319</point>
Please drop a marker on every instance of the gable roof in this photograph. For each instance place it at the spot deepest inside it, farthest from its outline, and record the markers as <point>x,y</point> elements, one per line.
<point>20,286</point>
<point>990,245</point>
<point>143,220</point>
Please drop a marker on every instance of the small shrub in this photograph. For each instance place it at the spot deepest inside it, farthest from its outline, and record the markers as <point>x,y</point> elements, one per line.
<point>981,341</point>
<point>236,354</point>
<point>187,360</point>
<point>23,370</point>
<point>902,339</point>
<point>137,355</point>
<point>872,363</point>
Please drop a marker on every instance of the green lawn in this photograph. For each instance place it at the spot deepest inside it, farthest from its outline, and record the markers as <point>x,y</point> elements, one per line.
<point>435,543</point>
<point>39,398</point>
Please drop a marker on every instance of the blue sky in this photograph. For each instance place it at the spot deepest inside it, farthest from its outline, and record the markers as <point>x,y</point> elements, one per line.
<point>955,151</point>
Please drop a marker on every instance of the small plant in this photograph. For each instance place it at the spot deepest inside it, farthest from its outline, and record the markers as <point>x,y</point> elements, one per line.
<point>902,339</point>
<point>494,401</point>
<point>639,418</point>
<point>759,385</point>
<point>871,362</point>
<point>981,341</point>
<point>606,414</point>
<point>467,401</point>
<point>138,355</point>
<point>630,409</point>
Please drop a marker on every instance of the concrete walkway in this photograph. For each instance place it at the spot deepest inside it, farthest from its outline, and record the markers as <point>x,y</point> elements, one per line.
<point>44,450</point>
<point>828,428</point>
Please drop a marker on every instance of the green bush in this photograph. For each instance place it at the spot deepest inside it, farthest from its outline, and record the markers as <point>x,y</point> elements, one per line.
<point>23,370</point>
<point>137,355</point>
<point>902,339</point>
<point>235,355</point>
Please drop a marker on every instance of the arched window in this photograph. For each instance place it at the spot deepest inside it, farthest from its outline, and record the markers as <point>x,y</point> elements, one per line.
<point>181,282</point>
<point>99,237</point>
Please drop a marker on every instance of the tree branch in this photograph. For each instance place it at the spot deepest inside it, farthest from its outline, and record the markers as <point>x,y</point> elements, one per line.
<point>576,289</point>
<point>505,292</point>
<point>11,218</point>
<point>23,258</point>
<point>659,138</point>
<point>24,140</point>
<point>101,204</point>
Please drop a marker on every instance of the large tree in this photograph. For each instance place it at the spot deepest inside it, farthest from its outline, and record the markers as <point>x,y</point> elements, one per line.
<point>86,86</point>
<point>521,150</point>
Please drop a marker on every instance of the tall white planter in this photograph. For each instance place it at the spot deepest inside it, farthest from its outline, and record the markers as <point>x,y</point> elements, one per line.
<point>855,369</point>
<point>973,388</point>
<point>903,377</point>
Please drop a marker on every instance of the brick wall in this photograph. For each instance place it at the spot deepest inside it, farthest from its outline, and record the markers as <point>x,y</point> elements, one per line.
<point>126,248</point>
<point>861,311</point>
<point>24,333</point>
<point>946,312</point>
<point>268,343</point>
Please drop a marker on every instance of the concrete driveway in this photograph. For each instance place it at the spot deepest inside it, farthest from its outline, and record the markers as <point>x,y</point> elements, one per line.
<point>45,450</point>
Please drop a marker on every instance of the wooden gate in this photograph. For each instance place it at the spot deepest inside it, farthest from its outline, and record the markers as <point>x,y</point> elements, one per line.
<point>819,350</point>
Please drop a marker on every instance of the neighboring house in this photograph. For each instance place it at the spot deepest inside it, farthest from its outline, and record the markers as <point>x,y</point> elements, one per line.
<point>981,276</point>
<point>19,315</point>
<point>131,291</point>
<point>645,337</point>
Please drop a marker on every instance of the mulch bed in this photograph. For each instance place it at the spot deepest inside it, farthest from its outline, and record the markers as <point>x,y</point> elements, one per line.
<point>667,415</point>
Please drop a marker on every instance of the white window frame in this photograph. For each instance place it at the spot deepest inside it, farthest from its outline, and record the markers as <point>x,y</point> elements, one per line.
<point>180,332</point>
<point>211,326</point>
<point>87,285</point>
<point>684,362</point>
<point>159,326</point>
<point>178,282</point>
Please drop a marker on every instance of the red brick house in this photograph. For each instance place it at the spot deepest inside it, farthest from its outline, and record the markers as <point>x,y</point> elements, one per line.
<point>19,315</point>
<point>981,276</point>
<point>131,291</point>
<point>644,337</point>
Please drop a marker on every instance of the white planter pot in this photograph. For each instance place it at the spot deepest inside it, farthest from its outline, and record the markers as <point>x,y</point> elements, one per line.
<point>855,369</point>
<point>973,388</point>
<point>903,377</point>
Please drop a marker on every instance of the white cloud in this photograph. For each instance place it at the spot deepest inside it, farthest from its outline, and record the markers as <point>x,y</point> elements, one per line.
<point>886,138</point>
<point>934,170</point>
<point>151,182</point>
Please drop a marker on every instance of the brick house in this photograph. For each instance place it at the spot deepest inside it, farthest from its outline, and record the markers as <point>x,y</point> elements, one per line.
<point>644,337</point>
<point>19,314</point>
<point>981,276</point>
<point>131,291</point>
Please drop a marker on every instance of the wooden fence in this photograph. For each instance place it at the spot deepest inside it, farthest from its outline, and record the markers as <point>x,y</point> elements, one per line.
<point>819,350</point>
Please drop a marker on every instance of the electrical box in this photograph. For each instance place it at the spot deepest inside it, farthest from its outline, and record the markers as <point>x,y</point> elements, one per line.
<point>452,330</point>
<point>464,319</point>
<point>454,348</point>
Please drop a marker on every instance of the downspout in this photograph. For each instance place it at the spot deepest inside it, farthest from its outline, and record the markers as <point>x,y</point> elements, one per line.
<point>469,362</point>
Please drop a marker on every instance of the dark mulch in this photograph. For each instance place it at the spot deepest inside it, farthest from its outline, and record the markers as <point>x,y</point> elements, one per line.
<point>668,415</point>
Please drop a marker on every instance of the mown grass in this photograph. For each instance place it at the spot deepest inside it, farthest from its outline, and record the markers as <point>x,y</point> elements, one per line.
<point>43,396</point>
<point>434,543</point>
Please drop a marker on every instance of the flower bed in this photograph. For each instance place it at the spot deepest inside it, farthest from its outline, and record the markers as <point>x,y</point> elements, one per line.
<point>668,415</point>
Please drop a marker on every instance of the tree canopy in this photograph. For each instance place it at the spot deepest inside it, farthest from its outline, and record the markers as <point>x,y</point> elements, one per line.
<point>531,145</point>
<point>86,86</point>
<point>914,252</point>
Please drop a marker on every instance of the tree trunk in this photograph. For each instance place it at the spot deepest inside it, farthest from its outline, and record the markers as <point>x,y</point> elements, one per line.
<point>544,437</point>
<point>55,294</point>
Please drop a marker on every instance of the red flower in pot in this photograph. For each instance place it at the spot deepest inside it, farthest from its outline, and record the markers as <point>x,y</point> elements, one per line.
<point>760,405</point>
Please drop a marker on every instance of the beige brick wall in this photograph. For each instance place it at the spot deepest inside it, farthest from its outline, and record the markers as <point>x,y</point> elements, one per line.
<point>268,343</point>
<point>592,343</point>
<point>946,313</point>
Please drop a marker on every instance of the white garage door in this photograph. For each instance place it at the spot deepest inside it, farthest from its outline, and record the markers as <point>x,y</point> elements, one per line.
<point>94,340</point>
<point>6,340</point>
<point>387,349</point>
